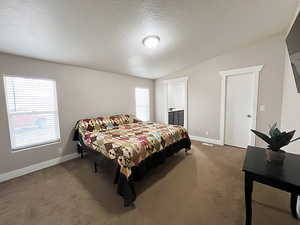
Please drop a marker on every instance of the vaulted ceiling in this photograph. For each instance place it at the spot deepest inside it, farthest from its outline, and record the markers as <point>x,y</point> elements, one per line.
<point>107,34</point>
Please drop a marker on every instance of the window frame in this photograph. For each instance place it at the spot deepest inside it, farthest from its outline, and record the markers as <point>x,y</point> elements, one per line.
<point>10,114</point>
<point>149,107</point>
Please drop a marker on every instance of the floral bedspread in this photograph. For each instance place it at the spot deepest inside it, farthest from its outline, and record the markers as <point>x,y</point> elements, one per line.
<point>131,143</point>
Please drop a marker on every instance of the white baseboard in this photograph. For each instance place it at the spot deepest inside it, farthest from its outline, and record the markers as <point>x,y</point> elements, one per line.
<point>204,139</point>
<point>35,167</point>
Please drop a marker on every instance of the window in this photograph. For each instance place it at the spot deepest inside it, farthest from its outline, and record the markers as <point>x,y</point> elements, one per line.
<point>32,111</point>
<point>142,104</point>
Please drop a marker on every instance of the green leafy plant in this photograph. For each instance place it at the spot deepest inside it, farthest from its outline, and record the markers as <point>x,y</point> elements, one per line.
<point>277,139</point>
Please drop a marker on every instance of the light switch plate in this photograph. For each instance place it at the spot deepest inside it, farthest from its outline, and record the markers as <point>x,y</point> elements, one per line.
<point>262,108</point>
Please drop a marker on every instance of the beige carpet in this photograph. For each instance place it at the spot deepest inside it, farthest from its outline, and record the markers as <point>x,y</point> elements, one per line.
<point>202,188</point>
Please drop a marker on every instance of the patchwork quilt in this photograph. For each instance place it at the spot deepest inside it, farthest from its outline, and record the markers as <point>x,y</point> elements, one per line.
<point>126,139</point>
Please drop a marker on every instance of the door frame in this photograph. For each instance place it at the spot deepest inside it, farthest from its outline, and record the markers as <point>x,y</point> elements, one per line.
<point>255,71</point>
<point>166,110</point>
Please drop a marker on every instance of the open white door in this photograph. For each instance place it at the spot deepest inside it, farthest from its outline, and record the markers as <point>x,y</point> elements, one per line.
<point>176,101</point>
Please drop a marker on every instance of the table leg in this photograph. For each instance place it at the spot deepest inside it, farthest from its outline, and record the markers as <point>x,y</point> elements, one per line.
<point>294,208</point>
<point>248,198</point>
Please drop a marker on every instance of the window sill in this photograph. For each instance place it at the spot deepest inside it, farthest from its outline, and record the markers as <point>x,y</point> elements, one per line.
<point>35,146</point>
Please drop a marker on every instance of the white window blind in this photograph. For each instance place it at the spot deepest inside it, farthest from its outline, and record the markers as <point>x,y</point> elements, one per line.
<point>142,103</point>
<point>32,111</point>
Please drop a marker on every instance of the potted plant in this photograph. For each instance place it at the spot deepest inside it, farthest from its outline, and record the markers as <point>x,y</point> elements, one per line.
<point>275,142</point>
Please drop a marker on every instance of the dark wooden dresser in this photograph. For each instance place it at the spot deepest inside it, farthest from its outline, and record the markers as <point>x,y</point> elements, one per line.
<point>176,117</point>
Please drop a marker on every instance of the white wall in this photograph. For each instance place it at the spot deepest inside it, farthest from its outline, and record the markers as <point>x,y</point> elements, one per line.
<point>204,86</point>
<point>82,93</point>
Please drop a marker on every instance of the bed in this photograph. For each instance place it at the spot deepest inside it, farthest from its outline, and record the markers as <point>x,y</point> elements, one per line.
<point>134,145</point>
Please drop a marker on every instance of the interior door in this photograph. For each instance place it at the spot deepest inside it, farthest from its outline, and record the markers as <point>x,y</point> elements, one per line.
<point>239,106</point>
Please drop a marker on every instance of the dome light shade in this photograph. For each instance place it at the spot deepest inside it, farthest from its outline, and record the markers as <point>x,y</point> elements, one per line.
<point>151,41</point>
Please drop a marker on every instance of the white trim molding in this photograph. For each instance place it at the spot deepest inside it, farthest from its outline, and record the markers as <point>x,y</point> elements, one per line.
<point>176,79</point>
<point>251,69</point>
<point>206,140</point>
<point>255,70</point>
<point>36,167</point>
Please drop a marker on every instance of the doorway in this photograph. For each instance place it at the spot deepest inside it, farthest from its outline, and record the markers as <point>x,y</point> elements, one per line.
<point>176,101</point>
<point>239,98</point>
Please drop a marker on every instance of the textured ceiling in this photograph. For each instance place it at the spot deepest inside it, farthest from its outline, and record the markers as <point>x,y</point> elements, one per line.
<point>107,35</point>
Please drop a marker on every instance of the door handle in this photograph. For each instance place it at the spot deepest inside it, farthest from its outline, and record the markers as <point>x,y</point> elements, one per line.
<point>248,115</point>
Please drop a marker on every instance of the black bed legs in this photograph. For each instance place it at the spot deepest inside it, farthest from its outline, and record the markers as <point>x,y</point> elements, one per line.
<point>95,167</point>
<point>117,174</point>
<point>186,150</point>
<point>80,150</point>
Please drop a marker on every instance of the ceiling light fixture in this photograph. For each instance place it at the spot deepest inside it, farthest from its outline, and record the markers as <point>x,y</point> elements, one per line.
<point>151,41</point>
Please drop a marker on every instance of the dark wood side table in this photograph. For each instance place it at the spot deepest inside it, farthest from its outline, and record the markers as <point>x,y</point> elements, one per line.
<point>285,177</point>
